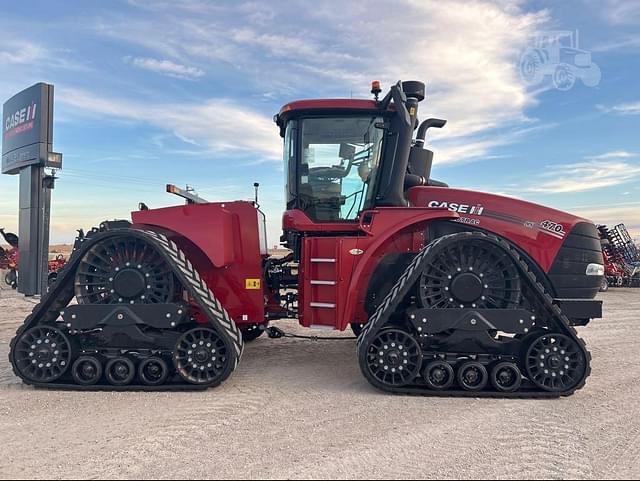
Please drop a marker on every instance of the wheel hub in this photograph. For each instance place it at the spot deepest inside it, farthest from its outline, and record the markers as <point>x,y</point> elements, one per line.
<point>88,369</point>
<point>129,283</point>
<point>467,287</point>
<point>121,370</point>
<point>505,377</point>
<point>438,375</point>
<point>201,355</point>
<point>471,376</point>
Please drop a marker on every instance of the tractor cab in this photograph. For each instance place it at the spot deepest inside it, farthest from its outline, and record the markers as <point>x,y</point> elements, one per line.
<point>345,156</point>
<point>332,160</point>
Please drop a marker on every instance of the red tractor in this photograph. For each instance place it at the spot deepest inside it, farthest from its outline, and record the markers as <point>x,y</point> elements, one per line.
<point>9,261</point>
<point>9,258</point>
<point>451,292</point>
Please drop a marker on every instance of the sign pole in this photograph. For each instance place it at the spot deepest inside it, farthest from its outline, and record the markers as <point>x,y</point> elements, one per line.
<point>27,139</point>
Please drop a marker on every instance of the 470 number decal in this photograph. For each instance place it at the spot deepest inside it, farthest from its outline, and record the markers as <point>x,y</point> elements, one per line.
<point>553,228</point>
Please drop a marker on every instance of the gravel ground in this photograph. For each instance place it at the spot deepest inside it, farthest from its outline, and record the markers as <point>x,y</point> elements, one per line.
<point>302,409</point>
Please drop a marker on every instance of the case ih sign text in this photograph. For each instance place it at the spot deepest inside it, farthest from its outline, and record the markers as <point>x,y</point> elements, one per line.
<point>27,132</point>
<point>20,121</point>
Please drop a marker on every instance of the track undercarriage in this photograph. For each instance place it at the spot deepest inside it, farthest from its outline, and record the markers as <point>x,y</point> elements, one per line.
<point>135,324</point>
<point>467,317</point>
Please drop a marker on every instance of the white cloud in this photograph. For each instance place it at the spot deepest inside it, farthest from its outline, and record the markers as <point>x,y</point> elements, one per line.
<point>217,125</point>
<point>631,108</point>
<point>586,176</point>
<point>617,154</point>
<point>620,12</point>
<point>166,67</point>
<point>21,52</point>
<point>467,52</point>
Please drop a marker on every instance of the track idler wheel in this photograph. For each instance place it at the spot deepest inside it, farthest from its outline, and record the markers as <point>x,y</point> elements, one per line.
<point>506,377</point>
<point>153,371</point>
<point>472,376</point>
<point>393,359</point>
<point>439,375</point>
<point>120,371</point>
<point>202,357</point>
<point>42,354</point>
<point>556,363</point>
<point>86,371</point>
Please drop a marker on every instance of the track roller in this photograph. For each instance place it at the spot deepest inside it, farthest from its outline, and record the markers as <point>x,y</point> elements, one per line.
<point>153,371</point>
<point>120,371</point>
<point>506,377</point>
<point>439,375</point>
<point>472,376</point>
<point>87,370</point>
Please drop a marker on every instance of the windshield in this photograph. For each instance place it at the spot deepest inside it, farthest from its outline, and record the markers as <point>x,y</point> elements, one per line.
<point>338,166</point>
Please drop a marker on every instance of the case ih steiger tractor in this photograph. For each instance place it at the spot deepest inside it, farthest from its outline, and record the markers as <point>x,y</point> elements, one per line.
<point>454,292</point>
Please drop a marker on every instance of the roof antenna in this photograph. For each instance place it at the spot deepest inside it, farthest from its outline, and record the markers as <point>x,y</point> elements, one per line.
<point>255,186</point>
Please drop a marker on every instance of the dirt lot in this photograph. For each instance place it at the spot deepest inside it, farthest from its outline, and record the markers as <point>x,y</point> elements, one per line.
<point>301,409</point>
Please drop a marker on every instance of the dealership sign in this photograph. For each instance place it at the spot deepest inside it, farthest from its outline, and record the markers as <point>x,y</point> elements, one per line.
<point>27,129</point>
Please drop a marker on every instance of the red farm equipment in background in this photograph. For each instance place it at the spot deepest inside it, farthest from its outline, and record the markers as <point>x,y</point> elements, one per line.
<point>450,292</point>
<point>9,261</point>
<point>621,257</point>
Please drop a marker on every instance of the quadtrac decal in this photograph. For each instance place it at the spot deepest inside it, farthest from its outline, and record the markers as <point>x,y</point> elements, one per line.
<point>553,228</point>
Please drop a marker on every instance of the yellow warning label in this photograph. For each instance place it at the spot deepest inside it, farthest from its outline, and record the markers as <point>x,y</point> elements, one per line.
<point>252,283</point>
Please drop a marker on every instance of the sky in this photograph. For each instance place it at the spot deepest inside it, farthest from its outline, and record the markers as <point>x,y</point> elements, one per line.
<point>149,92</point>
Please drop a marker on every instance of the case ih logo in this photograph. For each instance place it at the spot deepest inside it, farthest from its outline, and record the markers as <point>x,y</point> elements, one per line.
<point>457,207</point>
<point>20,121</point>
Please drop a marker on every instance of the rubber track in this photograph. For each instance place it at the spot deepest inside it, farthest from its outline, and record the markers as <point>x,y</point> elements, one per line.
<point>62,292</point>
<point>543,303</point>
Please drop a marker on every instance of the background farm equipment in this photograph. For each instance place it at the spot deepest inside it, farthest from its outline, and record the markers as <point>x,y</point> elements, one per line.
<point>9,259</point>
<point>621,257</point>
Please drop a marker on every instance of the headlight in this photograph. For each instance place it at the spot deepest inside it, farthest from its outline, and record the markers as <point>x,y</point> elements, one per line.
<point>595,270</point>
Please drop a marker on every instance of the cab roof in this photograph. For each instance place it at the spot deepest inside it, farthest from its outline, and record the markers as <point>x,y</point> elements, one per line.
<point>327,106</point>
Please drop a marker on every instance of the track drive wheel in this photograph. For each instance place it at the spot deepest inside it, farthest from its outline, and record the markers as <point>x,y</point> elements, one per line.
<point>555,363</point>
<point>469,272</point>
<point>124,270</point>
<point>202,357</point>
<point>393,359</point>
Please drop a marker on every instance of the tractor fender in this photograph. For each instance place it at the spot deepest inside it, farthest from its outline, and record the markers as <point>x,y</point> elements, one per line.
<point>375,249</point>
